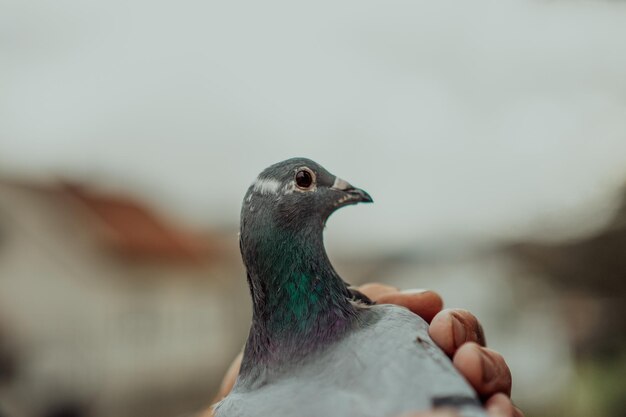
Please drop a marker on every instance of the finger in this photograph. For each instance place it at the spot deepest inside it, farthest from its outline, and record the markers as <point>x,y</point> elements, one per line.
<point>229,378</point>
<point>500,405</point>
<point>484,369</point>
<point>517,412</point>
<point>452,328</point>
<point>374,290</point>
<point>424,303</point>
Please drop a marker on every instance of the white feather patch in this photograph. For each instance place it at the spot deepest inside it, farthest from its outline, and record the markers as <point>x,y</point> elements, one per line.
<point>289,187</point>
<point>266,186</point>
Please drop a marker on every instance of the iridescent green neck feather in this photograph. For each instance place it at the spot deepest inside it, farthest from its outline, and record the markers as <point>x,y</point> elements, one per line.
<point>299,301</point>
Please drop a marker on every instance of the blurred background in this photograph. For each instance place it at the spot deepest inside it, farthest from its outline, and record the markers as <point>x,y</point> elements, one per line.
<point>492,136</point>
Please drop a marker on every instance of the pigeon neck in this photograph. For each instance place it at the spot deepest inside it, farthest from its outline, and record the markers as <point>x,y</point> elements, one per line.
<point>299,301</point>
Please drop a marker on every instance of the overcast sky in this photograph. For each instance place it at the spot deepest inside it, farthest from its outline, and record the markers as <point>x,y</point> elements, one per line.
<point>464,120</point>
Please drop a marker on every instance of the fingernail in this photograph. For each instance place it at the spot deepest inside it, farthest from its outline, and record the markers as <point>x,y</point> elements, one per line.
<point>458,330</point>
<point>414,291</point>
<point>489,367</point>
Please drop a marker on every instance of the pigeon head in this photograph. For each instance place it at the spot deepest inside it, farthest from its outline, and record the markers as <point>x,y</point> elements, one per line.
<point>297,295</point>
<point>299,191</point>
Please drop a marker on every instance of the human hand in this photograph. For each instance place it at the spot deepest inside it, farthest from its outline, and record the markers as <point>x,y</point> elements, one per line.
<point>457,332</point>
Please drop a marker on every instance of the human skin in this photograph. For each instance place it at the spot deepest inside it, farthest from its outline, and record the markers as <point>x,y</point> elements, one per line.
<point>457,332</point>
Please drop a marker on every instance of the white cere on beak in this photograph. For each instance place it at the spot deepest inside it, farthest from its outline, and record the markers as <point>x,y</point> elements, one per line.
<point>266,186</point>
<point>340,184</point>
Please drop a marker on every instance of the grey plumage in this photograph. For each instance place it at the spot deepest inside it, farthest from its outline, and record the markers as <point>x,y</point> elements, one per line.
<point>314,348</point>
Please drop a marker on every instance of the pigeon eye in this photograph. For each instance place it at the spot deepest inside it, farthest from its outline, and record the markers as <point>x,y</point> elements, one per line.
<point>304,179</point>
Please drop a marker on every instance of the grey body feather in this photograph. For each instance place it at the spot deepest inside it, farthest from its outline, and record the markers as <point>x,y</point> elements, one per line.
<point>385,368</point>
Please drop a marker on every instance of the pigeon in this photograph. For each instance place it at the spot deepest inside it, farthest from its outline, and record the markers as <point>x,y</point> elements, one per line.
<point>317,347</point>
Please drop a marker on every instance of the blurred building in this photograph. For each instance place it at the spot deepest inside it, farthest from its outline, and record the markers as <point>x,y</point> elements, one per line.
<point>109,308</point>
<point>589,274</point>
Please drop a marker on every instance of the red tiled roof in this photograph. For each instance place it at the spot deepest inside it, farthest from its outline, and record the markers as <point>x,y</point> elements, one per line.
<point>134,230</point>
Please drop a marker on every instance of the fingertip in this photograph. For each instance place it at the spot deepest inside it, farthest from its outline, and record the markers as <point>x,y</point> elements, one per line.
<point>468,361</point>
<point>425,304</point>
<point>484,369</point>
<point>374,290</point>
<point>441,331</point>
<point>451,328</point>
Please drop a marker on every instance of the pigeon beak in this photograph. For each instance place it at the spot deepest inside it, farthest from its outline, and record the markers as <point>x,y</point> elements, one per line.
<point>352,195</point>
